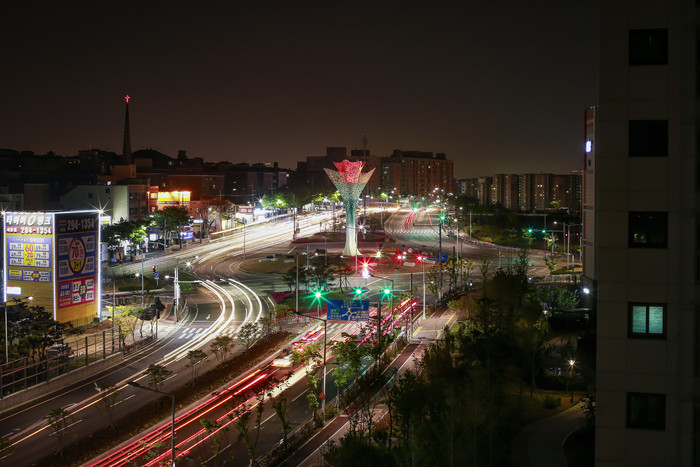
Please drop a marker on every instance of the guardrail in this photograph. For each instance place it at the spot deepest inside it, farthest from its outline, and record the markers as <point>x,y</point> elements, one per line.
<point>26,372</point>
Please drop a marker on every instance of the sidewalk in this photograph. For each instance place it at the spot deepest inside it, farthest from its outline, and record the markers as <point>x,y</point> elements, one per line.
<point>542,443</point>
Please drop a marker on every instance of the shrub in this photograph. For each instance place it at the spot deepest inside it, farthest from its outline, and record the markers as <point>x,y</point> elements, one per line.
<point>551,402</point>
<point>279,297</point>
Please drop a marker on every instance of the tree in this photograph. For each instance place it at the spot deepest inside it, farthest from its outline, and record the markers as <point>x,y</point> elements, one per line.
<point>290,278</point>
<point>156,375</point>
<point>196,357</point>
<point>221,346</point>
<point>32,330</point>
<point>60,421</point>
<point>219,440</point>
<point>532,337</point>
<point>310,357</point>
<point>170,220</point>
<point>242,421</point>
<point>128,319</point>
<point>247,334</point>
<point>109,397</point>
<point>321,272</point>
<point>279,404</point>
<point>124,234</point>
<point>348,356</point>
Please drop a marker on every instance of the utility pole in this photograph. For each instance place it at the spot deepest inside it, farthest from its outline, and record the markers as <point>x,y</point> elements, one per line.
<point>440,259</point>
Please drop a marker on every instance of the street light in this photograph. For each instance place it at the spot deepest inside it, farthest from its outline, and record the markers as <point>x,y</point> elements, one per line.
<point>176,291</point>
<point>323,388</point>
<point>572,364</point>
<point>421,259</point>
<point>172,426</point>
<point>7,343</point>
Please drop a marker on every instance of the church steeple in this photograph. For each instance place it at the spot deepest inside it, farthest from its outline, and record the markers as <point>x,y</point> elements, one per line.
<point>126,149</point>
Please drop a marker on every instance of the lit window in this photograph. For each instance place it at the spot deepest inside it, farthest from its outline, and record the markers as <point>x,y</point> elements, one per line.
<point>647,320</point>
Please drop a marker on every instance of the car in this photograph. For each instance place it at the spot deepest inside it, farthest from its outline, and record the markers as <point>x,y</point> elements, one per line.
<point>282,362</point>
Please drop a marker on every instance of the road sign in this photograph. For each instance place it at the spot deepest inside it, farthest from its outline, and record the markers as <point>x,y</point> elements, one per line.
<point>348,310</point>
<point>322,396</point>
<point>155,275</point>
<point>434,258</point>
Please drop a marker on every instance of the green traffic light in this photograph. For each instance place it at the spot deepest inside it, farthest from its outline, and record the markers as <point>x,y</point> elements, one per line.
<point>317,294</point>
<point>358,291</point>
<point>386,291</point>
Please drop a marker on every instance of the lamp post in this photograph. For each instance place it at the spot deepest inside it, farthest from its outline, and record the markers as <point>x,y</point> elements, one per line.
<point>421,258</point>
<point>389,292</point>
<point>323,387</point>
<point>572,364</point>
<point>176,292</point>
<point>172,426</point>
<point>440,257</point>
<point>143,255</point>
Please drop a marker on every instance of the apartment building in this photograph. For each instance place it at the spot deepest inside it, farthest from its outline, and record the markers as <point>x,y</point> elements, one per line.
<point>644,160</point>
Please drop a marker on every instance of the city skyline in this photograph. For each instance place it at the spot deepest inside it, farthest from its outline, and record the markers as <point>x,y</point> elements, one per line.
<point>499,89</point>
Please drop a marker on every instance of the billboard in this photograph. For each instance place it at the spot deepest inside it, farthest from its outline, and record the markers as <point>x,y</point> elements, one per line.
<point>54,258</point>
<point>28,257</point>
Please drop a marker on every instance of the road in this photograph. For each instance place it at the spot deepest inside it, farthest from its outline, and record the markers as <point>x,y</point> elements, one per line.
<point>228,298</point>
<point>219,307</point>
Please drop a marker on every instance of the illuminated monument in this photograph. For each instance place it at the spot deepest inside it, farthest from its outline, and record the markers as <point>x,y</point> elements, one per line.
<point>350,182</point>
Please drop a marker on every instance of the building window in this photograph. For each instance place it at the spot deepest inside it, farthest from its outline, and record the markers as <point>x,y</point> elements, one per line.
<point>647,320</point>
<point>648,47</point>
<point>648,138</point>
<point>646,411</point>
<point>648,230</point>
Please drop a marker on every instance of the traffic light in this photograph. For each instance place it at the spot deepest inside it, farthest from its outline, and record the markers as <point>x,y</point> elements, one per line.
<point>155,268</point>
<point>358,292</point>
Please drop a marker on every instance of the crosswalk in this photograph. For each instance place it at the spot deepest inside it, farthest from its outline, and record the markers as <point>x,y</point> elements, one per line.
<point>192,333</point>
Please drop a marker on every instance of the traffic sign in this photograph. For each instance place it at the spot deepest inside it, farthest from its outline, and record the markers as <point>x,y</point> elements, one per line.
<point>322,396</point>
<point>348,310</point>
<point>155,275</point>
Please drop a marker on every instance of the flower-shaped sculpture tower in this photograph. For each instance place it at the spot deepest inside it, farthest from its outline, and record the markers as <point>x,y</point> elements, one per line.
<point>350,182</point>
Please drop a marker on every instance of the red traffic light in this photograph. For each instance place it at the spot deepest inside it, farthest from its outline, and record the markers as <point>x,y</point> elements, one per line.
<point>155,268</point>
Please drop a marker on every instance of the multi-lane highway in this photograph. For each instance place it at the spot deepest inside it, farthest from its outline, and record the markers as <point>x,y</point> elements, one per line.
<point>226,299</point>
<point>220,306</point>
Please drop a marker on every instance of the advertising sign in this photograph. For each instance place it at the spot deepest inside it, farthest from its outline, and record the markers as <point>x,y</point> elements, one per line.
<point>77,258</point>
<point>28,256</point>
<point>54,258</point>
<point>173,197</point>
<point>348,310</point>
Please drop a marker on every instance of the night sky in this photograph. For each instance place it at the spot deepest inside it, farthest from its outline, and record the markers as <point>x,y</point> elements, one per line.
<point>499,86</point>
